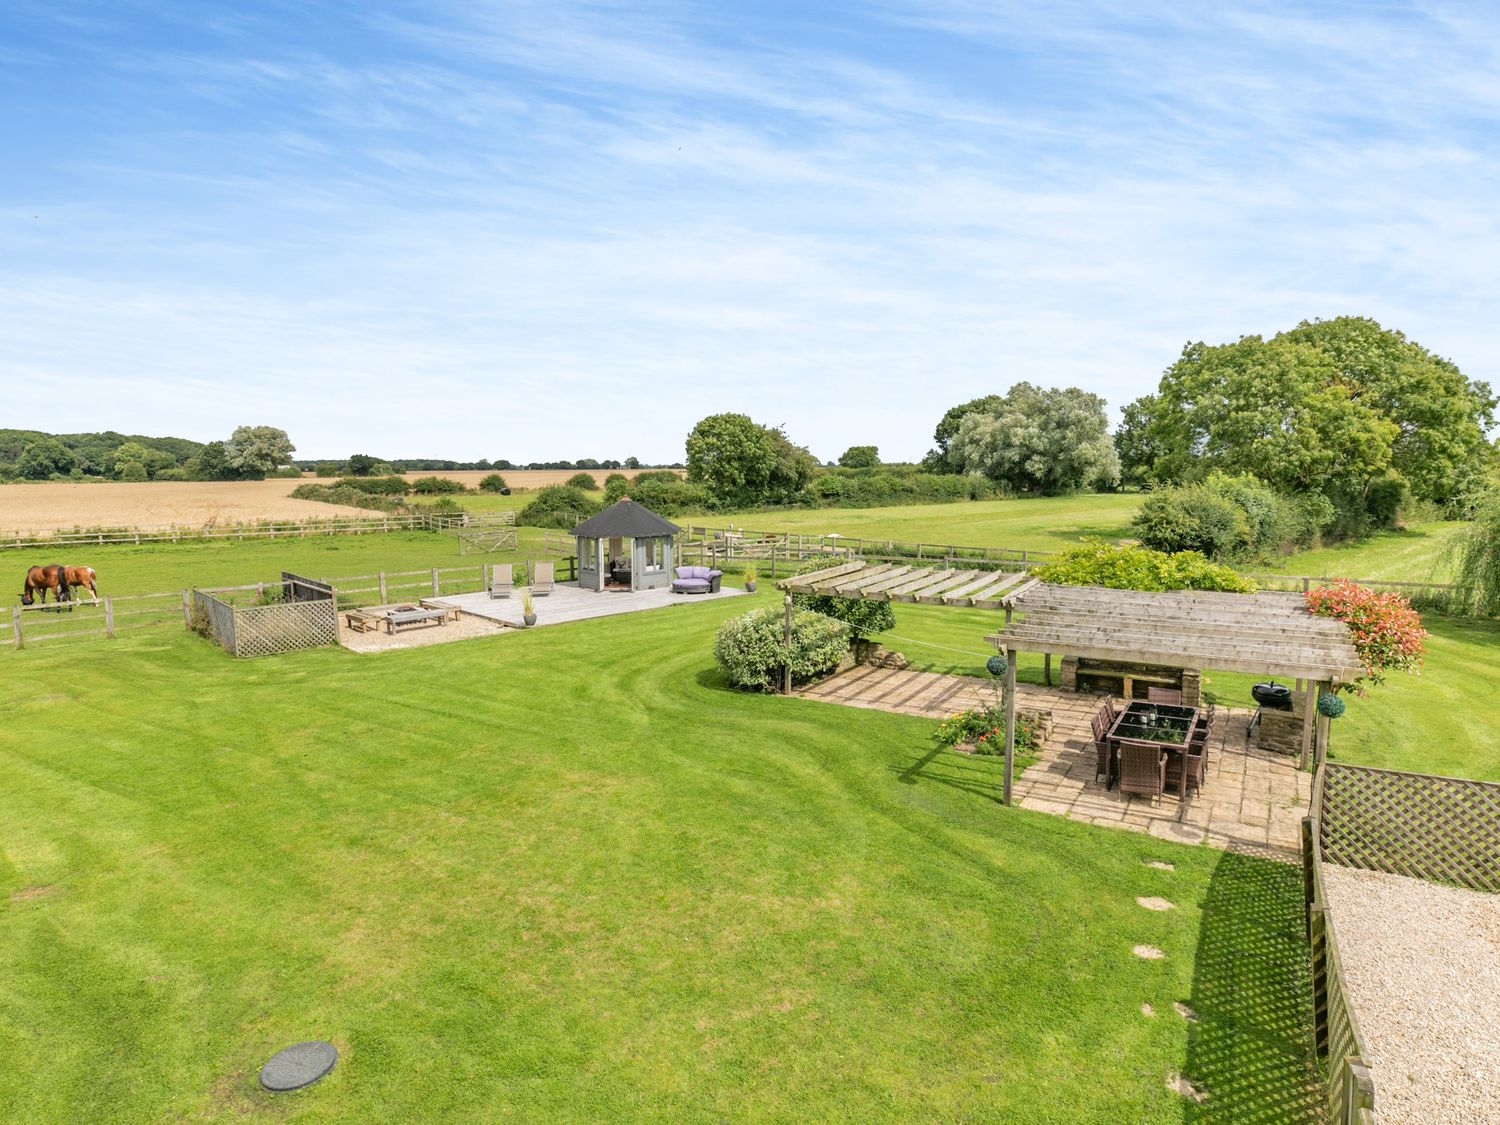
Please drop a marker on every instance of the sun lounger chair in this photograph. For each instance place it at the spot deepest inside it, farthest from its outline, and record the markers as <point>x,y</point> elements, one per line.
<point>542,579</point>
<point>502,580</point>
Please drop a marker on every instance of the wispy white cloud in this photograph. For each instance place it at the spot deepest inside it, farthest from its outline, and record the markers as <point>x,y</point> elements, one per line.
<point>536,220</point>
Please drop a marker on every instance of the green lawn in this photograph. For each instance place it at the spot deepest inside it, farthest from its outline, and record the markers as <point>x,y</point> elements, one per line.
<point>567,876</point>
<point>1040,524</point>
<point>159,567</point>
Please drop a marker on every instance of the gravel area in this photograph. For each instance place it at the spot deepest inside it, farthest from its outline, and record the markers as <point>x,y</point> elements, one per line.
<point>461,630</point>
<point>1422,963</point>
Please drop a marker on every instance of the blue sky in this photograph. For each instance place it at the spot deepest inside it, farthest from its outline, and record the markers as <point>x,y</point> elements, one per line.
<point>558,229</point>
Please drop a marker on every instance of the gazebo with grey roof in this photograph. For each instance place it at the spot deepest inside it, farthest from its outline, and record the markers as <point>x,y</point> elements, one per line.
<point>625,547</point>
<point>1262,633</point>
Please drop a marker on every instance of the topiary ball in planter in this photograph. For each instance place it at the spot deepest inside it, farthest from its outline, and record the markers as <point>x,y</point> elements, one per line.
<point>1330,705</point>
<point>996,665</point>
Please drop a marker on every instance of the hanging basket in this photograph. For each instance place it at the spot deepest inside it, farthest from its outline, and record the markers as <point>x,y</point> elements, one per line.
<point>1330,706</point>
<point>997,664</point>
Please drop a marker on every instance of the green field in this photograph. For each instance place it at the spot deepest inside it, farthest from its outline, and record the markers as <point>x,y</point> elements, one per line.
<point>566,875</point>
<point>158,567</point>
<point>1048,524</point>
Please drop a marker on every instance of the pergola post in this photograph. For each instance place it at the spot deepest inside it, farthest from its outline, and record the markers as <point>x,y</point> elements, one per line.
<point>1309,720</point>
<point>1323,724</point>
<point>786,673</point>
<point>1010,720</point>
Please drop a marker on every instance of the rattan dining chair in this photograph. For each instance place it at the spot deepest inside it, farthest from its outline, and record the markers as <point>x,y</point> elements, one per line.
<point>1163,695</point>
<point>1143,768</point>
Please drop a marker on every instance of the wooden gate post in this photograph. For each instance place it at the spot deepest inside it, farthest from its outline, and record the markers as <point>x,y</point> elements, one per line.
<point>109,618</point>
<point>15,621</point>
<point>434,582</point>
<point>382,588</point>
<point>187,608</point>
<point>786,674</point>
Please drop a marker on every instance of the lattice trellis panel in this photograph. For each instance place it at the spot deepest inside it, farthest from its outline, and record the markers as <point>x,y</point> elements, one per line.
<point>220,617</point>
<point>266,630</point>
<point>1441,828</point>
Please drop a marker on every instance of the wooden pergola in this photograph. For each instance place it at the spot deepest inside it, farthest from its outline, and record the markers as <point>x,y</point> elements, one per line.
<point>1260,634</point>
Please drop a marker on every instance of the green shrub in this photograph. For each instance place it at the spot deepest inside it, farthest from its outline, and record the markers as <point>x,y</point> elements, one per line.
<point>1192,518</point>
<point>342,493</point>
<point>493,483</point>
<point>752,649</point>
<point>391,485</point>
<point>1228,516</point>
<point>326,469</point>
<point>558,505</point>
<point>433,486</point>
<point>864,618</point>
<point>1097,563</point>
<point>668,494</point>
<point>616,487</point>
<point>132,471</point>
<point>585,481</point>
<point>173,474</point>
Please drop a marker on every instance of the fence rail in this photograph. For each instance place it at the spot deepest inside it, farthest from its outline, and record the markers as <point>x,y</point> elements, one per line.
<point>265,529</point>
<point>106,619</point>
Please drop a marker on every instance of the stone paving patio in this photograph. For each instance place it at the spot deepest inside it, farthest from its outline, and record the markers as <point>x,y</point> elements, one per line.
<point>1252,800</point>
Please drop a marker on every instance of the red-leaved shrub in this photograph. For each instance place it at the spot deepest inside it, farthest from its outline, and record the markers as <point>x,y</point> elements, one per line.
<point>1384,628</point>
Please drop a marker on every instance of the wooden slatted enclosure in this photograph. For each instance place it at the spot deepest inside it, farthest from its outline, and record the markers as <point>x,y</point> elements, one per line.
<point>1348,1088</point>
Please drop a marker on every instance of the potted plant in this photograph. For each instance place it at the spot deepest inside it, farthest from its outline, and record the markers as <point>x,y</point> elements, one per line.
<point>528,610</point>
<point>750,580</point>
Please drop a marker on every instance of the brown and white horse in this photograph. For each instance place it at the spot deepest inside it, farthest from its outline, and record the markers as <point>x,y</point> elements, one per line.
<point>40,579</point>
<point>82,577</point>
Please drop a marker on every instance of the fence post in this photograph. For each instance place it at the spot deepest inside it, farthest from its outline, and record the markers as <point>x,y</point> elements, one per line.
<point>15,621</point>
<point>773,560</point>
<point>434,582</point>
<point>187,608</point>
<point>1319,940</point>
<point>1306,582</point>
<point>382,588</point>
<point>1309,827</point>
<point>109,618</point>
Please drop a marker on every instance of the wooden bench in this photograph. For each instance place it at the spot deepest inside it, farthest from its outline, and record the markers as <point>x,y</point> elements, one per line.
<point>454,612</point>
<point>361,622</point>
<point>410,618</point>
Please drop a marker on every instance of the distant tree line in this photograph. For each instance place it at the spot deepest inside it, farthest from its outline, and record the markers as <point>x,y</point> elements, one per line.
<point>364,465</point>
<point>250,453</point>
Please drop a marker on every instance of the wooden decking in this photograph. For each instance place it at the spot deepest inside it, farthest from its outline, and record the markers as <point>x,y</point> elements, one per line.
<point>1252,801</point>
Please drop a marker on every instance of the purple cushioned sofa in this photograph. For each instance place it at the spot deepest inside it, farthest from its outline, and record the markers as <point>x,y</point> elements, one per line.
<point>696,580</point>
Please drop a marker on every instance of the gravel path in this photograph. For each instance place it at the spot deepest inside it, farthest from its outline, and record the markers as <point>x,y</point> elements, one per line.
<point>1422,962</point>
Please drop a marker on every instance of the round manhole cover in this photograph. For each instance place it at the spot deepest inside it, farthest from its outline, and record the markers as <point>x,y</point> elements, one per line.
<point>297,1066</point>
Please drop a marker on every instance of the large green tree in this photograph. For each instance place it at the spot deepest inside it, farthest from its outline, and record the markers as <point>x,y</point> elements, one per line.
<point>939,459</point>
<point>254,451</point>
<point>41,459</point>
<point>1040,440</point>
<point>860,457</point>
<point>1339,406</point>
<point>740,462</point>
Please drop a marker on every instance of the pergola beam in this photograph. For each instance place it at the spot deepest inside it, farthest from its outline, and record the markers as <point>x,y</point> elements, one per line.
<point>1267,663</point>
